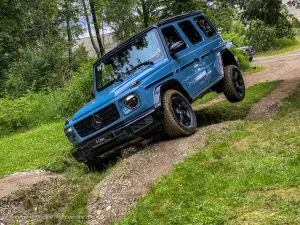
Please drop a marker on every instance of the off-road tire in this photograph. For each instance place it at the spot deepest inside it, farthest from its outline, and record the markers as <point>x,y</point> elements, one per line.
<point>172,125</point>
<point>234,90</point>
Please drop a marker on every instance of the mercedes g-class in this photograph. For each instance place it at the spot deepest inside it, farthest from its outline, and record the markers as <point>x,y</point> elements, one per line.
<point>150,82</point>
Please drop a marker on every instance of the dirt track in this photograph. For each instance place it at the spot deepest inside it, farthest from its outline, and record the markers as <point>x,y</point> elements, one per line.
<point>130,180</point>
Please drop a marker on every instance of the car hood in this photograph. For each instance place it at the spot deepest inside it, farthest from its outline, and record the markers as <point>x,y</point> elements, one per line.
<point>95,103</point>
<point>110,93</point>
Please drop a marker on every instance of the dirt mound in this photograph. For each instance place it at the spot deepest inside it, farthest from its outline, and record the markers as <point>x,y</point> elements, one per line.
<point>21,180</point>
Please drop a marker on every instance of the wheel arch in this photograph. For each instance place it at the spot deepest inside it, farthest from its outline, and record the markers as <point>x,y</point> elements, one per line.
<point>170,84</point>
<point>228,58</point>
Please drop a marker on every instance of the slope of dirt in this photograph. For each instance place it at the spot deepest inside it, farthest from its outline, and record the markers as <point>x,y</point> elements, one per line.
<point>130,180</point>
<point>266,108</point>
<point>17,181</point>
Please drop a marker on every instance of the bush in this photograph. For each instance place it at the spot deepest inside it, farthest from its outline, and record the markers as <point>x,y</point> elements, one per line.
<point>37,68</point>
<point>38,108</point>
<point>267,38</point>
<point>237,34</point>
<point>243,58</point>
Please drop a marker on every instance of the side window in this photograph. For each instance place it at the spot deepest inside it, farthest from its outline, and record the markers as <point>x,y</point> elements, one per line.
<point>205,26</point>
<point>172,37</point>
<point>190,31</point>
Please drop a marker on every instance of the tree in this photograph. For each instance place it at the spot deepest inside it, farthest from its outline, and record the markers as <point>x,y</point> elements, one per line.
<point>67,13</point>
<point>267,11</point>
<point>295,3</point>
<point>96,25</point>
<point>90,30</point>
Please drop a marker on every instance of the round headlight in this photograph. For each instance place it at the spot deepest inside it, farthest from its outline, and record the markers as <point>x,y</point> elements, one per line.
<point>70,134</point>
<point>131,101</point>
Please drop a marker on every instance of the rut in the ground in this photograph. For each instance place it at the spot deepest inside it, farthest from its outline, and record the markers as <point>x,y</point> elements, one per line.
<point>267,107</point>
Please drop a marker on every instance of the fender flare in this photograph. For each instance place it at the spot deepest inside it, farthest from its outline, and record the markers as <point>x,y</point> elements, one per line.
<point>169,84</point>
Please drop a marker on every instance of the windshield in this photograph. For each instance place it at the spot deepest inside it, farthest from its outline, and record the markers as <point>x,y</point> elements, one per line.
<point>137,55</point>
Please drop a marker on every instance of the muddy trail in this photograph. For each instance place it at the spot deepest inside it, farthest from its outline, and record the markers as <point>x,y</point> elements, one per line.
<point>130,180</point>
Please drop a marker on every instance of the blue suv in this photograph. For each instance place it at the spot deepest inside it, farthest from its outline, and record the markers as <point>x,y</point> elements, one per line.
<point>150,81</point>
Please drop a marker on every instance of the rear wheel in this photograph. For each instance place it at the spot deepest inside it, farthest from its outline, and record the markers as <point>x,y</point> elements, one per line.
<point>180,119</point>
<point>233,84</point>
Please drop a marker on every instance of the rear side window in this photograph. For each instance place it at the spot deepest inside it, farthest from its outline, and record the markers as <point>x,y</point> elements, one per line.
<point>171,37</point>
<point>205,26</point>
<point>190,31</point>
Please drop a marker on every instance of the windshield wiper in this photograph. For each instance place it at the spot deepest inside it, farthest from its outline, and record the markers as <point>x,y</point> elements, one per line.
<point>137,67</point>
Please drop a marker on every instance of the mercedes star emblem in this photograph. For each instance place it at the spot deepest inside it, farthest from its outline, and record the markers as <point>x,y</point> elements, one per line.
<point>97,122</point>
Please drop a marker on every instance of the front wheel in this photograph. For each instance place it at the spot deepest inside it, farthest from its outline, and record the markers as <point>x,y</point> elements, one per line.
<point>179,117</point>
<point>233,84</point>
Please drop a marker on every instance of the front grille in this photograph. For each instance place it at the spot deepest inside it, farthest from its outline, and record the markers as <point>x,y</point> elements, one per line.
<point>108,115</point>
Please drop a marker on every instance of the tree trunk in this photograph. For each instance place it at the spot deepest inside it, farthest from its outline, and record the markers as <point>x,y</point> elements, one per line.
<point>145,13</point>
<point>92,5</point>
<point>69,33</point>
<point>90,30</point>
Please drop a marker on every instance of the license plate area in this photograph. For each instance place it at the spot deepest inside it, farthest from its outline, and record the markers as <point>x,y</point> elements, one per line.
<point>100,141</point>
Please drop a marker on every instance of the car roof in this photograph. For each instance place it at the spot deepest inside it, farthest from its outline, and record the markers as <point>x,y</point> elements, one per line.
<point>141,33</point>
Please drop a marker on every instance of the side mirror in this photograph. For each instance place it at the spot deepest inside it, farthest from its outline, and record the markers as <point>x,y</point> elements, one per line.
<point>176,47</point>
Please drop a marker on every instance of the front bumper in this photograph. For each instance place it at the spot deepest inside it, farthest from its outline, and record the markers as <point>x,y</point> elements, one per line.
<point>118,135</point>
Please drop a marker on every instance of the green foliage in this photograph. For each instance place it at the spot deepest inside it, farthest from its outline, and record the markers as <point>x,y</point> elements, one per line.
<point>250,174</point>
<point>81,57</point>
<point>243,58</point>
<point>237,34</point>
<point>268,11</point>
<point>37,68</point>
<point>38,108</point>
<point>221,16</point>
<point>295,22</point>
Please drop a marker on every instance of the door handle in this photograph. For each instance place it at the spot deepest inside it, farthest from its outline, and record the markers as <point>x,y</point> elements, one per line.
<point>207,54</point>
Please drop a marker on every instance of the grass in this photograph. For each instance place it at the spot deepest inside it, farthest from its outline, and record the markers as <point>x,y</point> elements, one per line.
<point>62,201</point>
<point>43,148</point>
<point>247,174</point>
<point>206,98</point>
<point>281,50</point>
<point>212,95</point>
<point>225,110</point>
<point>47,147</point>
<point>254,69</point>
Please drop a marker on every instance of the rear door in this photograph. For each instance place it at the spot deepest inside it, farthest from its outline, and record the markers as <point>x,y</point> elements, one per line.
<point>187,64</point>
<point>211,47</point>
